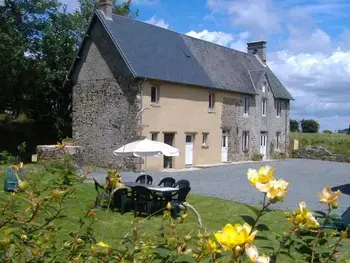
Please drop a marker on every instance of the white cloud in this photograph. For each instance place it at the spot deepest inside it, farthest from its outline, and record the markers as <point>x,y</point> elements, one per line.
<point>320,84</point>
<point>144,2</point>
<point>160,22</point>
<point>258,16</point>
<point>238,42</point>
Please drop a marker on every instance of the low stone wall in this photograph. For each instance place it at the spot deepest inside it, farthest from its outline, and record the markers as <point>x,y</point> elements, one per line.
<point>49,152</point>
<point>320,153</point>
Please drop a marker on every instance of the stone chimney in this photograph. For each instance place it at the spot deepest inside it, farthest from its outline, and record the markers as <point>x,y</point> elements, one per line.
<point>258,48</point>
<point>106,8</point>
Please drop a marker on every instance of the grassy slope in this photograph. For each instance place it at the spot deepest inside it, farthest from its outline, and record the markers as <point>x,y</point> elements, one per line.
<point>338,143</point>
<point>111,226</point>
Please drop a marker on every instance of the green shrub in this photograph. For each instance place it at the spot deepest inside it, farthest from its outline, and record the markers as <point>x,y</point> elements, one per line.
<point>257,157</point>
<point>7,158</point>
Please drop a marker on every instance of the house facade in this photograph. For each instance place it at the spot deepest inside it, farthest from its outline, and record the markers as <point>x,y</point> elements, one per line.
<point>132,80</point>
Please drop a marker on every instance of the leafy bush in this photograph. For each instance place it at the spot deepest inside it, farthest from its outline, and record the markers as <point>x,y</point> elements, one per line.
<point>257,157</point>
<point>7,158</point>
<point>31,221</point>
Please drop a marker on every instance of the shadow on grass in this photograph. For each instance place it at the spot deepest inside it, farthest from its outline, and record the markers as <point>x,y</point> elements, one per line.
<point>345,188</point>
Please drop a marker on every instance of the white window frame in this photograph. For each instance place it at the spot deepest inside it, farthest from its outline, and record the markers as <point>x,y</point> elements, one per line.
<point>245,140</point>
<point>154,136</point>
<point>278,140</point>
<point>156,101</point>
<point>205,138</point>
<point>264,107</point>
<point>246,106</point>
<point>263,87</point>
<point>211,100</point>
<point>278,108</point>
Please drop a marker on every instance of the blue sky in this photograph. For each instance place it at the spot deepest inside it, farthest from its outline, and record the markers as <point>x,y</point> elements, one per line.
<point>308,43</point>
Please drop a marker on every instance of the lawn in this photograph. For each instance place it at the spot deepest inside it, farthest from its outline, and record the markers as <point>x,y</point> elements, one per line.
<point>338,143</point>
<point>111,226</point>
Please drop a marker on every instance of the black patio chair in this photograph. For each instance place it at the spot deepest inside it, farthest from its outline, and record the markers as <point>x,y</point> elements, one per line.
<point>338,224</point>
<point>180,197</point>
<point>182,183</point>
<point>143,179</point>
<point>167,182</point>
<point>121,200</point>
<point>143,200</point>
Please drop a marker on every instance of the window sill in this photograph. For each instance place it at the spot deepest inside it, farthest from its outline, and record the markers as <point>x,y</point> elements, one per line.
<point>278,116</point>
<point>211,111</point>
<point>205,146</point>
<point>156,105</point>
<point>245,115</point>
<point>263,115</point>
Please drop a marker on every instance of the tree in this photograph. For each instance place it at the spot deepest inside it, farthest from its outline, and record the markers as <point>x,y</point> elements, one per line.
<point>294,126</point>
<point>38,40</point>
<point>309,126</point>
<point>327,131</point>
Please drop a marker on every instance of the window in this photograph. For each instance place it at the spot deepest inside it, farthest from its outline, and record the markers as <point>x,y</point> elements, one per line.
<point>205,139</point>
<point>154,136</point>
<point>278,140</point>
<point>264,106</point>
<point>155,95</point>
<point>211,101</point>
<point>263,87</point>
<point>246,106</point>
<point>278,108</point>
<point>245,141</point>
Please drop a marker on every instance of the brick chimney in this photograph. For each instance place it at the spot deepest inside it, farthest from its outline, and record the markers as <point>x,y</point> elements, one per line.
<point>106,8</point>
<point>258,48</point>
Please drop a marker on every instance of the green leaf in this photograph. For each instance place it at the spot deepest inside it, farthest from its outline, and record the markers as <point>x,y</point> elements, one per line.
<point>261,238</point>
<point>183,258</point>
<point>254,209</point>
<point>248,219</point>
<point>11,251</point>
<point>262,227</point>
<point>321,213</point>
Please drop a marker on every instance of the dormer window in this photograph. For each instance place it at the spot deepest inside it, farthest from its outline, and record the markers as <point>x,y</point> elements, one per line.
<point>263,87</point>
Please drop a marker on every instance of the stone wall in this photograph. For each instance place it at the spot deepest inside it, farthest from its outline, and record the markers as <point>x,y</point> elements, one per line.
<point>105,101</point>
<point>234,121</point>
<point>49,152</point>
<point>319,153</point>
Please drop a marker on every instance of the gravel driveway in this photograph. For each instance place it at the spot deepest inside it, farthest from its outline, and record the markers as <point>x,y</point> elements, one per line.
<point>306,178</point>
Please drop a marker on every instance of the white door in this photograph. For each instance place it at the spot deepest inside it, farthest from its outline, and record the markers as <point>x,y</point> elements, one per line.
<point>224,142</point>
<point>263,144</point>
<point>189,150</point>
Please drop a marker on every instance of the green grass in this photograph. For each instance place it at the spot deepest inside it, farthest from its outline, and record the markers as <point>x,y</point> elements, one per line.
<point>111,226</point>
<point>338,143</point>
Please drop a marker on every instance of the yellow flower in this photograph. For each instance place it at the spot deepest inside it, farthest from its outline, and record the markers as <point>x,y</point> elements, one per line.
<point>253,255</point>
<point>184,216</point>
<point>327,196</point>
<point>233,236</point>
<point>102,244</point>
<point>303,217</point>
<point>275,190</point>
<point>169,206</point>
<point>17,168</point>
<point>24,237</point>
<point>264,175</point>
<point>59,146</point>
<point>212,247</point>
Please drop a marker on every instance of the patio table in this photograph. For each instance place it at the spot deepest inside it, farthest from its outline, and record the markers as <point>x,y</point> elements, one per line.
<point>153,188</point>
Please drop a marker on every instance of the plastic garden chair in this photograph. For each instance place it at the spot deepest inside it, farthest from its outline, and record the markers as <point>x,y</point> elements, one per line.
<point>182,183</point>
<point>167,182</point>
<point>145,178</point>
<point>143,200</point>
<point>11,182</point>
<point>180,197</point>
<point>339,224</point>
<point>121,200</point>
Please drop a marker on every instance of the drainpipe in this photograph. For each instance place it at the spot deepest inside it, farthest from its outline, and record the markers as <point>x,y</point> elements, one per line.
<point>140,112</point>
<point>286,131</point>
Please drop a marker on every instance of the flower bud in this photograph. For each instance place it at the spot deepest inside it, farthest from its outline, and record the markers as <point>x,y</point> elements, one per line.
<point>184,216</point>
<point>199,235</point>
<point>169,206</point>
<point>206,235</point>
<point>187,238</point>
<point>335,205</point>
<point>343,234</point>
<point>23,185</point>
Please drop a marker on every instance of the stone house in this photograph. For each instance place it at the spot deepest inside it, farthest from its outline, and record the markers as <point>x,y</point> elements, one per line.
<point>132,80</point>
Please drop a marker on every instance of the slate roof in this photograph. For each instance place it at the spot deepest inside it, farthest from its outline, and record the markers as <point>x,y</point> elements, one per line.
<point>157,53</point>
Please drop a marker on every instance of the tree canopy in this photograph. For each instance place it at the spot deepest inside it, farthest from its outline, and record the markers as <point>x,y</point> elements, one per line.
<point>294,126</point>
<point>309,126</point>
<point>38,40</point>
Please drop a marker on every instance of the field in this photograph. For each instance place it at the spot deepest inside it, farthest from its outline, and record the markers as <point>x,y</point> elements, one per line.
<point>338,143</point>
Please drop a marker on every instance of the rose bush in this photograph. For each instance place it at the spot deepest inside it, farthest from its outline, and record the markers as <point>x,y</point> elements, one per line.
<point>31,220</point>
